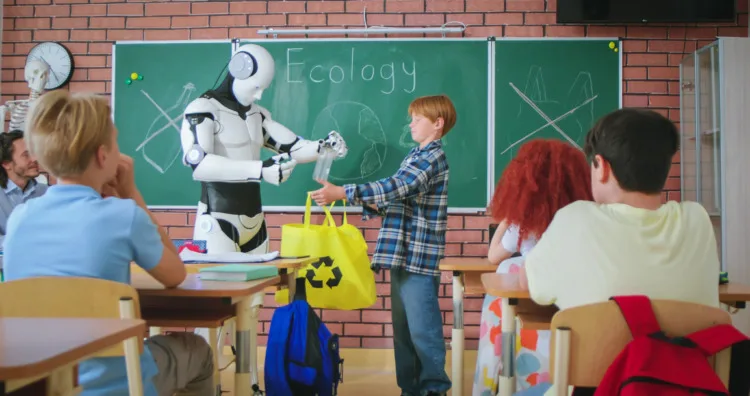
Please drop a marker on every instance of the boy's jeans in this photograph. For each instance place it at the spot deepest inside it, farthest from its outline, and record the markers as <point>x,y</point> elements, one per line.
<point>418,333</point>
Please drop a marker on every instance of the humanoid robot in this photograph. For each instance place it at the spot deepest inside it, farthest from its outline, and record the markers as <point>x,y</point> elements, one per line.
<point>36,74</point>
<point>222,135</point>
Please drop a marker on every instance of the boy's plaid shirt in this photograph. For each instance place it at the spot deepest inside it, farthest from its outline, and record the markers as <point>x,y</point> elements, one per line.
<point>414,204</point>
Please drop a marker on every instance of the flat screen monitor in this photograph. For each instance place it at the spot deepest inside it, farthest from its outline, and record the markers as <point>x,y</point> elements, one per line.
<point>645,11</point>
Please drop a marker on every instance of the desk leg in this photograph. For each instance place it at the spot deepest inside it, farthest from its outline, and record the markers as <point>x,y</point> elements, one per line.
<point>255,303</point>
<point>457,335</point>
<point>507,380</point>
<point>242,362</point>
<point>61,382</point>
<point>291,282</point>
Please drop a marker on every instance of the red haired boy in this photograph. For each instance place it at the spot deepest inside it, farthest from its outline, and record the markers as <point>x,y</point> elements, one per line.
<point>411,242</point>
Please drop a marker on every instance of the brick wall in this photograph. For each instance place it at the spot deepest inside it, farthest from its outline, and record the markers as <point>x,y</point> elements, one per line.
<point>88,27</point>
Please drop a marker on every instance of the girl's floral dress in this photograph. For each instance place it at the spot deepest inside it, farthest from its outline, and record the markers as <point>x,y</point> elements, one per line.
<point>532,346</point>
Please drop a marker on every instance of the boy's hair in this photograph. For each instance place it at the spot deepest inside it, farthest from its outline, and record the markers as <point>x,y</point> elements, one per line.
<point>544,176</point>
<point>65,130</point>
<point>6,152</point>
<point>434,107</point>
<point>639,144</point>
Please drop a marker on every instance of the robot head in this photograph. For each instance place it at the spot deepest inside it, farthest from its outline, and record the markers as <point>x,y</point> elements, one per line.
<point>36,74</point>
<point>252,67</point>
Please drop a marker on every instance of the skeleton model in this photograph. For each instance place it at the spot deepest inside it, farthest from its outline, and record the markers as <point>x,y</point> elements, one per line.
<point>36,74</point>
<point>222,135</point>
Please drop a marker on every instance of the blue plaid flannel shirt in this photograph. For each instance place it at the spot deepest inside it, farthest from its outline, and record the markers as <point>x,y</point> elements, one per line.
<point>414,204</point>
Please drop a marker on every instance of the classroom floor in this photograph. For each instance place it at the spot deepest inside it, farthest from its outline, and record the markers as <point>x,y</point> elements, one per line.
<point>367,372</point>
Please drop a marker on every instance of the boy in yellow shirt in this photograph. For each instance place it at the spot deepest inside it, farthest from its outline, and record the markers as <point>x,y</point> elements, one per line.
<point>628,242</point>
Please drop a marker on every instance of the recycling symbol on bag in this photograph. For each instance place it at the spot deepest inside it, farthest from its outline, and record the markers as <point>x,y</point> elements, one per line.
<point>331,282</point>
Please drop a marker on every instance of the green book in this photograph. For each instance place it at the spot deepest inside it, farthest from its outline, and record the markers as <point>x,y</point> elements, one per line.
<point>237,272</point>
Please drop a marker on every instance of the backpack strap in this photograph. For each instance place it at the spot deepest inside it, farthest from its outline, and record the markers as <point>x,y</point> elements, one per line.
<point>716,338</point>
<point>638,314</point>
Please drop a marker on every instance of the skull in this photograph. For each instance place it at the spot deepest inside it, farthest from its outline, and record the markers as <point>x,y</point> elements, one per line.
<point>36,74</point>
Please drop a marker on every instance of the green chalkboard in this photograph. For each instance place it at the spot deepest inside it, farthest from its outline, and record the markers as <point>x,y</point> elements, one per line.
<point>148,112</point>
<point>552,88</point>
<point>362,89</point>
<point>505,92</point>
<point>364,94</point>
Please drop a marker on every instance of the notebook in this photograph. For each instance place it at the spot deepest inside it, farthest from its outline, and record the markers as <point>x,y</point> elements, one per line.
<point>237,272</point>
<point>188,256</point>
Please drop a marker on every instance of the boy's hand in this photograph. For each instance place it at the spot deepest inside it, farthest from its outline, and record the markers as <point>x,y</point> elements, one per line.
<point>328,193</point>
<point>110,190</point>
<point>124,181</point>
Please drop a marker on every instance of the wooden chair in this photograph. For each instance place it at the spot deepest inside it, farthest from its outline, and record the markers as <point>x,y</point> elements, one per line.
<point>71,297</point>
<point>588,338</point>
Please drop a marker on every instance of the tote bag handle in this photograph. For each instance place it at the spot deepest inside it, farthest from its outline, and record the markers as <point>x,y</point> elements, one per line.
<point>329,218</point>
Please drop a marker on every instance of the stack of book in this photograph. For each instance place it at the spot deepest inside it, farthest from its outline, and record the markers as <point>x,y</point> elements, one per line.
<point>237,272</point>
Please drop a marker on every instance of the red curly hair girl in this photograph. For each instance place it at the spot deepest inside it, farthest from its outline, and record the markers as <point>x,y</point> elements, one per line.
<point>542,178</point>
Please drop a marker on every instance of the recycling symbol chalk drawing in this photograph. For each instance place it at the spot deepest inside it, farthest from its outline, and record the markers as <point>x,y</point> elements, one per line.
<point>318,284</point>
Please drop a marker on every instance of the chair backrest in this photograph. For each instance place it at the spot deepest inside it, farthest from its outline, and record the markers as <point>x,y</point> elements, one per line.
<point>605,332</point>
<point>71,297</point>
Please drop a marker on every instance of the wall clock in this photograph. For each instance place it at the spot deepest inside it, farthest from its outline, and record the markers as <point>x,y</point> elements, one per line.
<point>59,59</point>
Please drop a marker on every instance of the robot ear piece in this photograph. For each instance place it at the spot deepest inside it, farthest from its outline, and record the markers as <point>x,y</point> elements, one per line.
<point>242,65</point>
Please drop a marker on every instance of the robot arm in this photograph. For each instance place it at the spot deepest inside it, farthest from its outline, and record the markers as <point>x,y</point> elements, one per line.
<point>197,137</point>
<point>279,139</point>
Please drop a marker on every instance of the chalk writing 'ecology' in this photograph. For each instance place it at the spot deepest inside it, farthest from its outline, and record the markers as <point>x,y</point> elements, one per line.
<point>338,74</point>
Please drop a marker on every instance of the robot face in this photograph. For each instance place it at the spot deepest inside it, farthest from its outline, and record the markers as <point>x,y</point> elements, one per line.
<point>36,74</point>
<point>253,70</point>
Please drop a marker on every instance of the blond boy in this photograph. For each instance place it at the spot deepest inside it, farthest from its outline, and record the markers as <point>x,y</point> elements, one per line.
<point>94,223</point>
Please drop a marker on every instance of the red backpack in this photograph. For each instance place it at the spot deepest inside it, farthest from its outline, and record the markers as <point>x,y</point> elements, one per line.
<point>654,364</point>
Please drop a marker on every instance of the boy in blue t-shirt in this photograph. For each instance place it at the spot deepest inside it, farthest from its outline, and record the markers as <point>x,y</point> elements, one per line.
<point>94,223</point>
<point>411,242</point>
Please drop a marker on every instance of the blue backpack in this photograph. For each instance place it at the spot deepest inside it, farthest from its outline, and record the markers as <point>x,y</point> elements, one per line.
<point>302,356</point>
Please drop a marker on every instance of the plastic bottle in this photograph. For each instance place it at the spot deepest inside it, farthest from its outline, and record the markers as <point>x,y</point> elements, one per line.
<point>323,164</point>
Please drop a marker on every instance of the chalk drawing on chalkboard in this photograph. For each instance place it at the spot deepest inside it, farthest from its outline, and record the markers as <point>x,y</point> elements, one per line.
<point>363,132</point>
<point>579,96</point>
<point>169,117</point>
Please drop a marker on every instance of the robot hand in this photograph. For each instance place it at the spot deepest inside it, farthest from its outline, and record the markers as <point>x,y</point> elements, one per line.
<point>336,142</point>
<point>277,168</point>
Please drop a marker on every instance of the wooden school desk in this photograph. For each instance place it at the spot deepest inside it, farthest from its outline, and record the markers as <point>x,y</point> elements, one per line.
<point>194,296</point>
<point>288,268</point>
<point>512,292</point>
<point>467,273</point>
<point>30,351</point>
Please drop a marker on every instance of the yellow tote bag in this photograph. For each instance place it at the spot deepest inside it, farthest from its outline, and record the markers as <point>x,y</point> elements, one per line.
<point>341,278</point>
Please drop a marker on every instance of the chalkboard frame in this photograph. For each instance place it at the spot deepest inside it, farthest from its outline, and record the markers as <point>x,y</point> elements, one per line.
<point>491,93</point>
